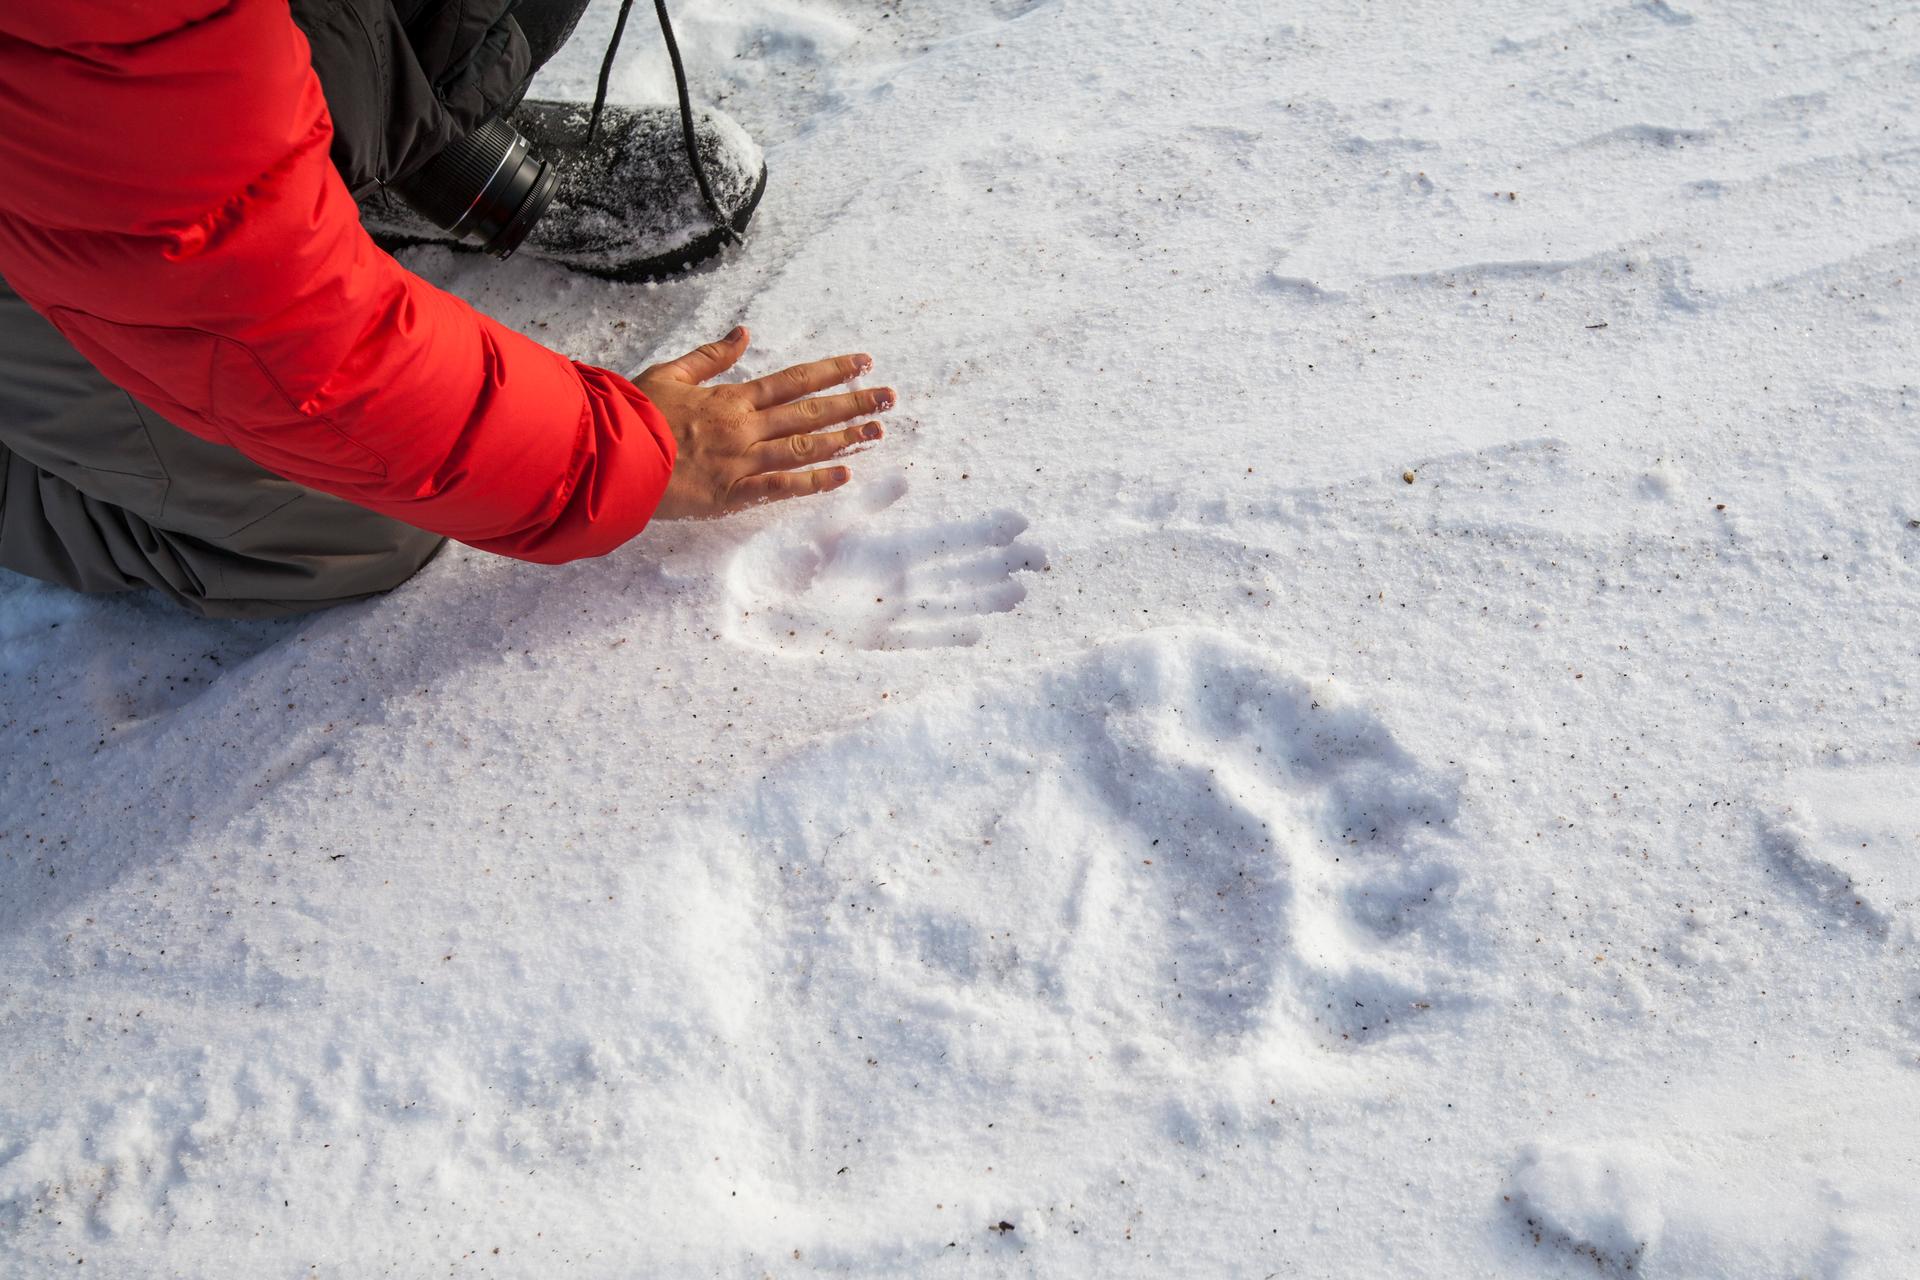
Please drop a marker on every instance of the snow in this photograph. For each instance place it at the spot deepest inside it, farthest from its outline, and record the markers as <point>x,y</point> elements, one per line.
<point>1133,830</point>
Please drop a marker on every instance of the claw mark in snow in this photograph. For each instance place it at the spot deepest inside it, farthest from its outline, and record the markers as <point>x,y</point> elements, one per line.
<point>1848,842</point>
<point>1652,135</point>
<point>1667,13</point>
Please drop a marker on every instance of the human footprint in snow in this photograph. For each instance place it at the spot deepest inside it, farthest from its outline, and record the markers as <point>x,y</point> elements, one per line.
<point>215,384</point>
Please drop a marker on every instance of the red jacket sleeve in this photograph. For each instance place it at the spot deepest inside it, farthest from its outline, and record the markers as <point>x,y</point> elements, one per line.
<point>166,199</point>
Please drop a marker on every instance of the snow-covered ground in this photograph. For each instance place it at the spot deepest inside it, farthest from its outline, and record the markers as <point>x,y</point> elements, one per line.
<point>1365,722</point>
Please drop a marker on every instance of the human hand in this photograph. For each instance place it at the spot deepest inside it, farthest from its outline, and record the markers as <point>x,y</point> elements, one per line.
<point>746,443</point>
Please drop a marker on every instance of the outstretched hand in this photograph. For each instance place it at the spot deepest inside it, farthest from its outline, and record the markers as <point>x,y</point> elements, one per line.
<point>751,442</point>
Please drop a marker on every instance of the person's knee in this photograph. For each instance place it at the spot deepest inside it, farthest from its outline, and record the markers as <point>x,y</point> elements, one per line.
<point>236,585</point>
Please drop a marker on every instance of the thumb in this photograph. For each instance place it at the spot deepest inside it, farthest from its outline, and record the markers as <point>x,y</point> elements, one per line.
<point>711,360</point>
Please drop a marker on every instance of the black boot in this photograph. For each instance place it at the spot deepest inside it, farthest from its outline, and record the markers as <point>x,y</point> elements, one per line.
<point>627,206</point>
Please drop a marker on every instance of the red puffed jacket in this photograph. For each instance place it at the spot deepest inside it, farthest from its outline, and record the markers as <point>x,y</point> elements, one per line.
<point>166,200</point>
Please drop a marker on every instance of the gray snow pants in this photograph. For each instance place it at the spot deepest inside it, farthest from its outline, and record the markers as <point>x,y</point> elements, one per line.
<point>99,493</point>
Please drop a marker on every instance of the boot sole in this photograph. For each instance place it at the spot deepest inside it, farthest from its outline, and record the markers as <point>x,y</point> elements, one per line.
<point>708,244</point>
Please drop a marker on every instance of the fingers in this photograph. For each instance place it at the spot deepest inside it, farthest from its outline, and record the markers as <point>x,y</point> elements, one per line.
<point>805,379</point>
<point>823,411</point>
<point>711,360</point>
<point>774,486</point>
<point>784,453</point>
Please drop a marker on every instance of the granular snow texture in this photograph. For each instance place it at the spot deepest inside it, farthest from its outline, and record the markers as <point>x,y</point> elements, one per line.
<point>1365,721</point>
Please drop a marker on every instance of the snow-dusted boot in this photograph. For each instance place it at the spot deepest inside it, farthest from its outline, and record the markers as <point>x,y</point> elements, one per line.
<point>627,204</point>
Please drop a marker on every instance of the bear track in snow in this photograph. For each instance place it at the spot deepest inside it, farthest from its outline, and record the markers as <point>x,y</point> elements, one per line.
<point>1179,839</point>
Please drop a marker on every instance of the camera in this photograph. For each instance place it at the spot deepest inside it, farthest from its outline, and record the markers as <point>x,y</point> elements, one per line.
<point>486,186</point>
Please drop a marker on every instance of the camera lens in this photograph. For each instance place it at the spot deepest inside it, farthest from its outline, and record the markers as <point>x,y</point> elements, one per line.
<point>486,186</point>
